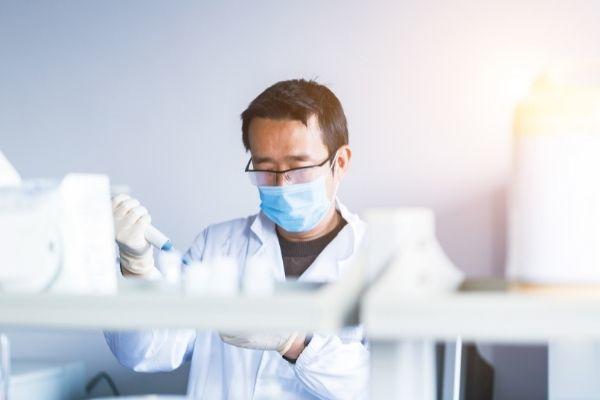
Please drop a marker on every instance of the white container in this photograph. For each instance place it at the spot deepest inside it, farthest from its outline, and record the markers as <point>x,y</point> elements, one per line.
<point>391,229</point>
<point>44,380</point>
<point>404,239</point>
<point>170,265</point>
<point>554,221</point>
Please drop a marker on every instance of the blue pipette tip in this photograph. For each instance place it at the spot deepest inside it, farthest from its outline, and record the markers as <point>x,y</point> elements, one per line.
<point>167,246</point>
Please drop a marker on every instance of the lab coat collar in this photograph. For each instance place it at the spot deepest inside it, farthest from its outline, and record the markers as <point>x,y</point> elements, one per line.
<point>264,231</point>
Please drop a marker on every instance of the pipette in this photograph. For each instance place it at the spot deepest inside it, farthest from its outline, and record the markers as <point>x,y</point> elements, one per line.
<point>155,237</point>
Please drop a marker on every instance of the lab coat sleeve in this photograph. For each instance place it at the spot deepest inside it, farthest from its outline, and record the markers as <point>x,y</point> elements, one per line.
<point>335,367</point>
<point>151,350</point>
<point>159,349</point>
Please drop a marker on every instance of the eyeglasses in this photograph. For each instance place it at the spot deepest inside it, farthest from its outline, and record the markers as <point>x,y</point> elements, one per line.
<point>268,177</point>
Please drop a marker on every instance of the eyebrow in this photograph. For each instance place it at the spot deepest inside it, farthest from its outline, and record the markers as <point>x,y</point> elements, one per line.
<point>296,157</point>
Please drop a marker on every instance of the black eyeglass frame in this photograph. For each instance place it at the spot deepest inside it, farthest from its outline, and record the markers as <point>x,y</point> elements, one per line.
<point>247,169</point>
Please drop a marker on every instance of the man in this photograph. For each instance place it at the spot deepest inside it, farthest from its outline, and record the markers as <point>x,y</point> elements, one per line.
<point>297,136</point>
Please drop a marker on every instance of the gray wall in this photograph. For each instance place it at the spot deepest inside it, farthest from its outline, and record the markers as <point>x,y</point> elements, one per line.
<point>150,92</point>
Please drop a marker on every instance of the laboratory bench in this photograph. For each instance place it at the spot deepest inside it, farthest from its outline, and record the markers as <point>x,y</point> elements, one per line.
<point>403,328</point>
<point>142,304</point>
<point>138,305</point>
<point>482,310</point>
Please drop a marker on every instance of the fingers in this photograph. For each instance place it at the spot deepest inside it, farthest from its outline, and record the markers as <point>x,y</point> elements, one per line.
<point>144,221</point>
<point>136,215</point>
<point>126,207</point>
<point>130,215</point>
<point>118,201</point>
<point>128,210</point>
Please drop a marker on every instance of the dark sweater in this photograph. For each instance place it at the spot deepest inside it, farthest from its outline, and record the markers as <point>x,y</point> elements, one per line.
<point>298,256</point>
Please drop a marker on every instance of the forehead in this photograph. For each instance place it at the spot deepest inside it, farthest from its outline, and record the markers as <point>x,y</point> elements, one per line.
<point>285,135</point>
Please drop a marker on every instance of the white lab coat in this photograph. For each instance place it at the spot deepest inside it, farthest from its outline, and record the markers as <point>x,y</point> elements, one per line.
<point>330,367</point>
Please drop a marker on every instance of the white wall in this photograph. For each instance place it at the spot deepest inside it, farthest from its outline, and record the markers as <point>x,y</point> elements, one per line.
<point>150,92</point>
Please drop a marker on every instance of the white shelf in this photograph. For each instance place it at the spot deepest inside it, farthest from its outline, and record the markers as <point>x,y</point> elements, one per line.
<point>324,310</point>
<point>498,316</point>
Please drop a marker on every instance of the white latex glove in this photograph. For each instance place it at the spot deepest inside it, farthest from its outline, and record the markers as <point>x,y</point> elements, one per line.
<point>131,221</point>
<point>280,342</point>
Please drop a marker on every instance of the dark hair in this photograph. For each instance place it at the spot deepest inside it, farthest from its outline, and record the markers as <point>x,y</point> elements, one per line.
<point>299,99</point>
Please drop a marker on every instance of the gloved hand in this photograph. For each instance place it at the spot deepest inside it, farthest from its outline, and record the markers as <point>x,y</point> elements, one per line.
<point>280,342</point>
<point>131,221</point>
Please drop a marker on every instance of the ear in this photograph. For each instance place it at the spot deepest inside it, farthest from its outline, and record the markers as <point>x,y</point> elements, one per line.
<point>342,163</point>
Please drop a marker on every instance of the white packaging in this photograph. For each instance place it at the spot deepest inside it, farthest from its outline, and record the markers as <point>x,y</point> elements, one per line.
<point>31,241</point>
<point>88,236</point>
<point>58,238</point>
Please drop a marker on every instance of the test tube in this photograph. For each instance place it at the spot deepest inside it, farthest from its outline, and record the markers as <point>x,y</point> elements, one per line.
<point>4,367</point>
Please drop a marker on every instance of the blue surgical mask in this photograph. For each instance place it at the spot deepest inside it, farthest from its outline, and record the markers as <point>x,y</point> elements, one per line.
<point>296,208</point>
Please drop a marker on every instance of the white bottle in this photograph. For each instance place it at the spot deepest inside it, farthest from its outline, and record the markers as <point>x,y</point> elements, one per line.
<point>169,263</point>
<point>4,367</point>
<point>554,221</point>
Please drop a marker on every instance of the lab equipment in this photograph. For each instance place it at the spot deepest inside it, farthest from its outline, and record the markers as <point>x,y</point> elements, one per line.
<point>28,229</point>
<point>158,239</point>
<point>4,367</point>
<point>298,207</point>
<point>88,232</point>
<point>31,241</point>
<point>217,277</point>
<point>169,263</point>
<point>331,366</point>
<point>8,174</point>
<point>403,248</point>
<point>155,237</point>
<point>404,239</point>
<point>58,236</point>
<point>45,380</point>
<point>554,222</point>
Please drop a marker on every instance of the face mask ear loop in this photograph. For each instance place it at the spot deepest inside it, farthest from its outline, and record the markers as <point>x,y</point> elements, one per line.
<point>333,171</point>
<point>334,163</point>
